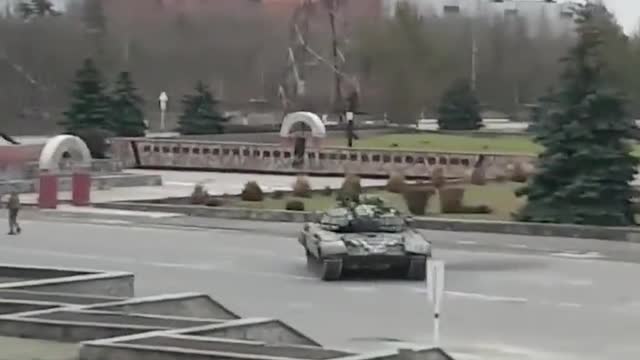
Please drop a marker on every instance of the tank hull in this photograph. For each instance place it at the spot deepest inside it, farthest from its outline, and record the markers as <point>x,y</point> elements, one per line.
<point>375,262</point>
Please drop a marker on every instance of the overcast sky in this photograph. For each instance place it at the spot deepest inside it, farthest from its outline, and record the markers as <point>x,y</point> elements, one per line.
<point>627,11</point>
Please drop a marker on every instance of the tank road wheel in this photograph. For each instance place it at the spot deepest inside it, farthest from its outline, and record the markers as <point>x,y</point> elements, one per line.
<point>417,269</point>
<point>331,269</point>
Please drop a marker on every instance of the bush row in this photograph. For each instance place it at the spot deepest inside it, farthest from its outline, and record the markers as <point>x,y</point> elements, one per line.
<point>416,196</point>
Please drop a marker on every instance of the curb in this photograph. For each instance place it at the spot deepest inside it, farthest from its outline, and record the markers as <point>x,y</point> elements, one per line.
<point>428,223</point>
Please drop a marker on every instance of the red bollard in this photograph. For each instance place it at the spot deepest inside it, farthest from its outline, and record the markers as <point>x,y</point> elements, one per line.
<point>48,192</point>
<point>81,189</point>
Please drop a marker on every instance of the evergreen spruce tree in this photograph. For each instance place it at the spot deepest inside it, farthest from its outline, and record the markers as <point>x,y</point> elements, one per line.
<point>200,114</point>
<point>36,8</point>
<point>584,174</point>
<point>89,107</point>
<point>126,116</point>
<point>459,108</point>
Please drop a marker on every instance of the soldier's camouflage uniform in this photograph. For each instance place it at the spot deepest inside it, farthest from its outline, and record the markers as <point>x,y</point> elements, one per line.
<point>14,207</point>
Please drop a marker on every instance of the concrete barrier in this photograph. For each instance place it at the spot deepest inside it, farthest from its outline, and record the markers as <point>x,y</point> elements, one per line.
<point>117,284</point>
<point>13,307</point>
<point>36,273</point>
<point>103,317</point>
<point>67,331</point>
<point>187,326</point>
<point>269,331</point>
<point>215,212</point>
<point>626,234</point>
<point>240,346</point>
<point>142,352</point>
<point>185,305</point>
<point>75,299</point>
<point>147,352</point>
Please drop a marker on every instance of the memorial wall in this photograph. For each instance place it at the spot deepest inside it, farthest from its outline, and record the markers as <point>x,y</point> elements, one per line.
<point>180,154</point>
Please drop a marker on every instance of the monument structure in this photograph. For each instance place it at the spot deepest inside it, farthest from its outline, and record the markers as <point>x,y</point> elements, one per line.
<point>61,163</point>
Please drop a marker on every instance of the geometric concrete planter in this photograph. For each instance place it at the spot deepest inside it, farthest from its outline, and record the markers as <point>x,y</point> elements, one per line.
<point>97,310</point>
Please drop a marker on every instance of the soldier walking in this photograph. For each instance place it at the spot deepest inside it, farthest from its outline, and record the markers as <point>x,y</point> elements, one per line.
<point>14,207</point>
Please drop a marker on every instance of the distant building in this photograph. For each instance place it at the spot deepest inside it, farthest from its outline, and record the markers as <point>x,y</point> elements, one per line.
<point>547,15</point>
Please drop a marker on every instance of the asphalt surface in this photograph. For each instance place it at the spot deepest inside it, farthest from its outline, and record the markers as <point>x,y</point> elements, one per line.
<point>507,297</point>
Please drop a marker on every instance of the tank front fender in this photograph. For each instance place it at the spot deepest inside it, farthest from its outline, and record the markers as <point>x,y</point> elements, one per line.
<point>417,245</point>
<point>332,248</point>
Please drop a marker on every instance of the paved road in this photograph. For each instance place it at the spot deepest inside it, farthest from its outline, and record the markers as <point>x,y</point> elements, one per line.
<point>507,297</point>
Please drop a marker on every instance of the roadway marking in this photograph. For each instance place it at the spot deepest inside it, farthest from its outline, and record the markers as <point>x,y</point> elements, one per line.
<point>466,242</point>
<point>204,267</point>
<point>48,253</point>
<point>518,246</point>
<point>178,183</point>
<point>477,296</point>
<point>110,222</point>
<point>485,297</point>
<point>570,305</point>
<point>357,288</point>
<point>576,255</point>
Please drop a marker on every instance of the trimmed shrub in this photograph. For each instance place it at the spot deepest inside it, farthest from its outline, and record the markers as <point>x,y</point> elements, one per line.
<point>277,194</point>
<point>451,200</point>
<point>437,178</point>
<point>501,177</point>
<point>302,188</point>
<point>476,209</point>
<point>214,202</point>
<point>472,209</point>
<point>351,188</point>
<point>417,199</point>
<point>199,195</point>
<point>396,183</point>
<point>252,192</point>
<point>294,205</point>
<point>519,174</point>
<point>478,176</point>
<point>327,191</point>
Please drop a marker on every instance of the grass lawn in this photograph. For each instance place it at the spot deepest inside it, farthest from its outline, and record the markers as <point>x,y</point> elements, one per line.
<point>500,197</point>
<point>518,144</point>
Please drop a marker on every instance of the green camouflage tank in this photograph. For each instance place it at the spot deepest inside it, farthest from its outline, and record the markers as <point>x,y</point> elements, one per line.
<point>364,234</point>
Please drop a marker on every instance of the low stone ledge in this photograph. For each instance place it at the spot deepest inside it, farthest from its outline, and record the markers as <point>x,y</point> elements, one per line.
<point>110,284</point>
<point>92,351</point>
<point>630,234</point>
<point>74,299</point>
<point>98,182</point>
<point>67,331</point>
<point>530,229</point>
<point>215,212</point>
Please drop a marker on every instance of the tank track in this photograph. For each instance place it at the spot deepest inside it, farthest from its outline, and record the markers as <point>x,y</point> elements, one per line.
<point>417,269</point>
